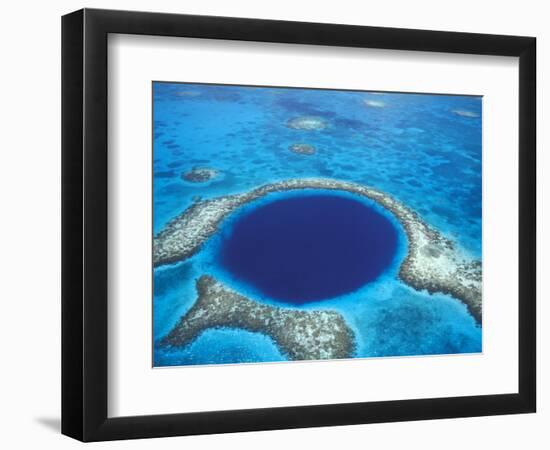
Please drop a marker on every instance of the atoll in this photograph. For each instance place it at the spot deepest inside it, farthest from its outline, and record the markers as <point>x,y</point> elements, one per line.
<point>303,149</point>
<point>307,123</point>
<point>464,113</point>
<point>432,262</point>
<point>200,174</point>
<point>301,335</point>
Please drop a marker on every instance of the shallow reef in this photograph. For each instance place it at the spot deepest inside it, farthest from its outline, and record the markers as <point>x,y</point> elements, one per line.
<point>302,149</point>
<point>308,123</point>
<point>374,103</point>
<point>301,335</point>
<point>464,113</point>
<point>187,93</point>
<point>200,174</point>
<point>433,262</point>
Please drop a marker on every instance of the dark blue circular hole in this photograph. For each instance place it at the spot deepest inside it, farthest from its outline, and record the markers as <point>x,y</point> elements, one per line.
<point>310,247</point>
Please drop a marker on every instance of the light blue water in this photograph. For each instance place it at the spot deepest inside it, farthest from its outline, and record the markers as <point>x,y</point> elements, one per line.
<point>414,147</point>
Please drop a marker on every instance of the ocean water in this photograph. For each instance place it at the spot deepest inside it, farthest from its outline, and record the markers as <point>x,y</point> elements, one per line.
<point>424,150</point>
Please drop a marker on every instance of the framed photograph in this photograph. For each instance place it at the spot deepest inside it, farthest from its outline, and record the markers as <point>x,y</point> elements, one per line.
<point>273,224</point>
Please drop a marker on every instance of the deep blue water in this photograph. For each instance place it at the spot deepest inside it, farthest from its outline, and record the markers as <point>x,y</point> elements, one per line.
<point>412,146</point>
<point>310,247</point>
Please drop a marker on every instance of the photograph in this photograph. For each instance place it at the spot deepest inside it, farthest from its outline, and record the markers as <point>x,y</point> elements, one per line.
<point>275,225</point>
<point>306,224</point>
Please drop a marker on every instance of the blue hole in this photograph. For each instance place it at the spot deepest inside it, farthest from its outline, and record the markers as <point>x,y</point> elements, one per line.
<point>311,247</point>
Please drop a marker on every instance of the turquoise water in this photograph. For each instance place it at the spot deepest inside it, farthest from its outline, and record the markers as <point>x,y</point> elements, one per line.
<point>414,147</point>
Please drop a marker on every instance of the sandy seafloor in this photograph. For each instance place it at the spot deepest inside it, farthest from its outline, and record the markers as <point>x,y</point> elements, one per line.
<point>414,147</point>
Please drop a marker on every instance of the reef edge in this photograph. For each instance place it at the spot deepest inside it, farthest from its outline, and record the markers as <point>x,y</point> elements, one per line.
<point>301,335</point>
<point>433,262</point>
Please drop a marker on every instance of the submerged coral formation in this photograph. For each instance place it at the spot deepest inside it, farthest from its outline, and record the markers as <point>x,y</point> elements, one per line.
<point>374,103</point>
<point>464,113</point>
<point>200,174</point>
<point>302,149</point>
<point>188,93</point>
<point>299,334</point>
<point>433,262</point>
<point>307,123</point>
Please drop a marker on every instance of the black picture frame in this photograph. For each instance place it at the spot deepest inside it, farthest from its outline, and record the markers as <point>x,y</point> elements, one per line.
<point>84,224</point>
